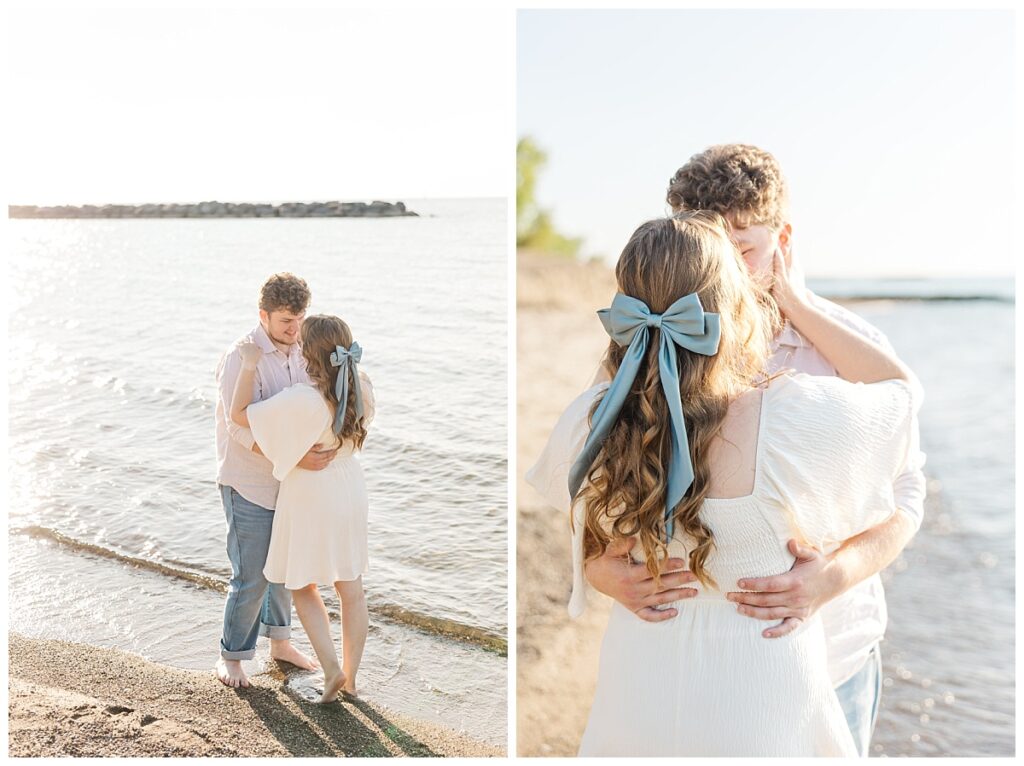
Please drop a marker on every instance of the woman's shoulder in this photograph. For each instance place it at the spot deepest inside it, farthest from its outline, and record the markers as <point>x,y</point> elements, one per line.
<point>801,386</point>
<point>304,396</point>
<point>798,399</point>
<point>303,391</point>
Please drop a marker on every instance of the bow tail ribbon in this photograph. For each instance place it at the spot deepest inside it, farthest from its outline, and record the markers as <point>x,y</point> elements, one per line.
<point>680,471</point>
<point>345,360</point>
<point>608,410</point>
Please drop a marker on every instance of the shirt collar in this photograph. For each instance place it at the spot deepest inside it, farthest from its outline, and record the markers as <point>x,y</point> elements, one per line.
<point>261,339</point>
<point>791,338</point>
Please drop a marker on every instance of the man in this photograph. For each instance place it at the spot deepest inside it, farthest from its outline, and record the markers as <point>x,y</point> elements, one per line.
<point>746,186</point>
<point>249,490</point>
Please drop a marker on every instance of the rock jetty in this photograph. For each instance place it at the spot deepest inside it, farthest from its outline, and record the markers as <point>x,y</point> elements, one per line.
<point>375,209</point>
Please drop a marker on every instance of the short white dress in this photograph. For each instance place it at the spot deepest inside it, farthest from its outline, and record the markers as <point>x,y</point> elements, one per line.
<point>319,533</point>
<point>707,683</point>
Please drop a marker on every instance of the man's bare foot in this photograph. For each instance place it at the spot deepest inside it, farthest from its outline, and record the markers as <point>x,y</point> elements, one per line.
<point>332,687</point>
<point>231,674</point>
<point>283,651</point>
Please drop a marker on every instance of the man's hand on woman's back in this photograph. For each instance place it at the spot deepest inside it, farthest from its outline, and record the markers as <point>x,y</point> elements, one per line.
<point>615,574</point>
<point>317,459</point>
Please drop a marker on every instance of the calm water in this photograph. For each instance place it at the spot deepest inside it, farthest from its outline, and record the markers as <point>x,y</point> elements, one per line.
<point>115,332</point>
<point>949,651</point>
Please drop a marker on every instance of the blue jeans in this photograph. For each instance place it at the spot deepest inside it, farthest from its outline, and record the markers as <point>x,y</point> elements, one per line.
<point>254,607</point>
<point>859,697</point>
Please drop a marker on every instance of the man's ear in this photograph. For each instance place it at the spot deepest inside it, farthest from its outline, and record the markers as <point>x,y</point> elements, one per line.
<point>264,319</point>
<point>786,240</point>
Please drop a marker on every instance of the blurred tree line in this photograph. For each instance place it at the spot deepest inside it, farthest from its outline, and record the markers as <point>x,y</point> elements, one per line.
<point>534,227</point>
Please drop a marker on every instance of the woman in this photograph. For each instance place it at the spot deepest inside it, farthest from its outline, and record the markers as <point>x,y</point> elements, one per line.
<point>319,533</point>
<point>692,450</point>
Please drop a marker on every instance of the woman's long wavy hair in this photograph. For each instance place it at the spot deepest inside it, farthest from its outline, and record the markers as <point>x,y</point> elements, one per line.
<point>321,333</point>
<point>625,491</point>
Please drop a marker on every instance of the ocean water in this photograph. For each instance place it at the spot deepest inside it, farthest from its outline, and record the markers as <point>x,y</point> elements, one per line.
<point>948,656</point>
<point>116,528</point>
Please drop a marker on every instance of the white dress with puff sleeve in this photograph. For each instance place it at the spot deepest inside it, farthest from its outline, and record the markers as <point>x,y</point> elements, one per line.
<point>319,533</point>
<point>707,682</point>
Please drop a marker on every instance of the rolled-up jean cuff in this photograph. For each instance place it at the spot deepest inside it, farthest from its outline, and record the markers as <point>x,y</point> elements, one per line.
<point>245,654</point>
<point>275,631</point>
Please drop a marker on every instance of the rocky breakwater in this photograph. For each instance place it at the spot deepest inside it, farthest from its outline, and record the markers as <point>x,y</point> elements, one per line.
<point>375,209</point>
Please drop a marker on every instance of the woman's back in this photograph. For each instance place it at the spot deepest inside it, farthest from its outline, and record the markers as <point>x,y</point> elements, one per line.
<point>320,523</point>
<point>805,457</point>
<point>811,458</point>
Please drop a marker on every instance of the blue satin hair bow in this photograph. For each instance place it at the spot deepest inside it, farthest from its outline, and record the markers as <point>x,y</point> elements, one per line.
<point>684,324</point>
<point>346,359</point>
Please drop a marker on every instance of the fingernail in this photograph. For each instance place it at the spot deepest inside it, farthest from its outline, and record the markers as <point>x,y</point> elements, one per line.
<point>742,583</point>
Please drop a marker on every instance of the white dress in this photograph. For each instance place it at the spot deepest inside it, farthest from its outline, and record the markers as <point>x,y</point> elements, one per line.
<point>707,682</point>
<point>319,533</point>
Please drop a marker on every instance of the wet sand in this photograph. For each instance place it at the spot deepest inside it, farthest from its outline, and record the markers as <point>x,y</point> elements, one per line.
<point>77,700</point>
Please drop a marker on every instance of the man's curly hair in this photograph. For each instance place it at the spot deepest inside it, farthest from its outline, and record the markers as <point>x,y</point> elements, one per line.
<point>284,292</point>
<point>732,179</point>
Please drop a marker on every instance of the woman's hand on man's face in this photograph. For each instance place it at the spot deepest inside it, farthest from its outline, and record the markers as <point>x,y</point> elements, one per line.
<point>788,287</point>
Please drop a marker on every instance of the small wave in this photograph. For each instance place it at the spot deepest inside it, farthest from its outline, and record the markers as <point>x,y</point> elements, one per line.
<point>44,533</point>
<point>435,625</point>
<point>391,448</point>
<point>451,628</point>
<point>193,401</point>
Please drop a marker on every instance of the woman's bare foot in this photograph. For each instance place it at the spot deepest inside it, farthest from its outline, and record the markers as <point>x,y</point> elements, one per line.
<point>283,651</point>
<point>332,687</point>
<point>349,690</point>
<point>231,674</point>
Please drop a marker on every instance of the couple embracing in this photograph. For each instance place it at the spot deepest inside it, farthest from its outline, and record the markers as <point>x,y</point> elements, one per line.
<point>292,413</point>
<point>747,452</point>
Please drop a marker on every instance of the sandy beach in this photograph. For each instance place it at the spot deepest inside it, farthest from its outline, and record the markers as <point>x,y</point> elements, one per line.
<point>77,700</point>
<point>557,657</point>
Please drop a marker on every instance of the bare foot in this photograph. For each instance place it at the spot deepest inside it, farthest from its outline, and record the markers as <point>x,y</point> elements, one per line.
<point>231,674</point>
<point>332,687</point>
<point>349,690</point>
<point>284,652</point>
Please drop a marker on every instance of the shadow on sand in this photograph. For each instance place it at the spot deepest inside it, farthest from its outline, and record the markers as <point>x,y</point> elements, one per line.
<point>349,727</point>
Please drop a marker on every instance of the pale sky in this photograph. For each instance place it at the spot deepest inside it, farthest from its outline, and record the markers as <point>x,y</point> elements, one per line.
<point>257,104</point>
<point>894,128</point>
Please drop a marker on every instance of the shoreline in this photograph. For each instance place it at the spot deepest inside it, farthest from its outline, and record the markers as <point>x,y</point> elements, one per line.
<point>432,626</point>
<point>69,699</point>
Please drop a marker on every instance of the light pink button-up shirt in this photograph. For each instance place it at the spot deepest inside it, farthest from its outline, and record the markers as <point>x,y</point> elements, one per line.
<point>238,466</point>
<point>855,621</point>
